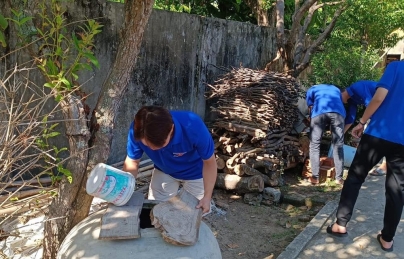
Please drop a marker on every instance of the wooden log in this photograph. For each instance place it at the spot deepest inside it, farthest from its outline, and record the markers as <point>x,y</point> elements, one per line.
<point>272,180</point>
<point>229,149</point>
<point>241,129</point>
<point>230,162</point>
<point>145,168</point>
<point>272,160</point>
<point>220,163</point>
<point>261,164</point>
<point>239,184</point>
<point>231,141</point>
<point>145,174</point>
<point>224,157</point>
<point>141,163</point>
<point>243,169</point>
<point>226,170</point>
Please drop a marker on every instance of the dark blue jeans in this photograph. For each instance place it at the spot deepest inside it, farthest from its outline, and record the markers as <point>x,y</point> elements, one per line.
<point>317,126</point>
<point>368,154</point>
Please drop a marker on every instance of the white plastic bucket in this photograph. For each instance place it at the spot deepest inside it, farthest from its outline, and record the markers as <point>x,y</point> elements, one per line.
<point>110,184</point>
<point>349,153</point>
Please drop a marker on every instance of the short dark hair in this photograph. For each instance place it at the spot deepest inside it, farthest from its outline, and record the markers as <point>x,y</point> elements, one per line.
<point>153,123</point>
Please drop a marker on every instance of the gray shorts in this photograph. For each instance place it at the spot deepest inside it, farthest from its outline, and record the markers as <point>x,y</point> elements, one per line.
<point>163,186</point>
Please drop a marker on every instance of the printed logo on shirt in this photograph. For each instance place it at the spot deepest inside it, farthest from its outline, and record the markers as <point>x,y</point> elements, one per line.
<point>179,154</point>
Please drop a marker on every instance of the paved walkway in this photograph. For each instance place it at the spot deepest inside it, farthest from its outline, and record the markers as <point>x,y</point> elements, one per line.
<point>363,228</point>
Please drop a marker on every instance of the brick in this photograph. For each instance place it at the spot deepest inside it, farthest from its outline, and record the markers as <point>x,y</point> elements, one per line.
<point>324,161</point>
<point>325,171</point>
<point>327,161</point>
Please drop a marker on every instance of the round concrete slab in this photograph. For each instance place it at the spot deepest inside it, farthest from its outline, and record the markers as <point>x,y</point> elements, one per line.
<point>82,242</point>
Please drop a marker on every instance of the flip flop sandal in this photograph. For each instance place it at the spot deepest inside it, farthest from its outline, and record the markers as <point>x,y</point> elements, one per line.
<point>378,172</point>
<point>382,247</point>
<point>336,234</point>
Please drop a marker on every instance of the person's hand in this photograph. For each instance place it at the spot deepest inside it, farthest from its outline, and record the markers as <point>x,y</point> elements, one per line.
<point>306,121</point>
<point>357,131</point>
<point>204,204</point>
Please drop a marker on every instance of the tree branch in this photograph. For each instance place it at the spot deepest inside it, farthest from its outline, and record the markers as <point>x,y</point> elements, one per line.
<point>299,14</point>
<point>320,40</point>
<point>299,45</point>
<point>329,4</point>
<point>280,23</point>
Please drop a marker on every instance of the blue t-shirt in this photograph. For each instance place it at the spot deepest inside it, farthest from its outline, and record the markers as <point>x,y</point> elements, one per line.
<point>388,121</point>
<point>182,157</point>
<point>361,93</point>
<point>324,98</point>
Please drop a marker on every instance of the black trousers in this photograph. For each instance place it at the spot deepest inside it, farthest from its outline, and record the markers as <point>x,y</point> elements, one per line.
<point>370,151</point>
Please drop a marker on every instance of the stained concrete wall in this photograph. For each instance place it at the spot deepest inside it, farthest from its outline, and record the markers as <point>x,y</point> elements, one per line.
<point>180,54</point>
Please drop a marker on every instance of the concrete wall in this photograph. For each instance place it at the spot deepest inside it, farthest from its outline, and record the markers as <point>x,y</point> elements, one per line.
<point>180,53</point>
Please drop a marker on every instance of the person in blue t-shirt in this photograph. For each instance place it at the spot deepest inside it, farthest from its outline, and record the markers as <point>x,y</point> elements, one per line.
<point>326,107</point>
<point>181,148</point>
<point>360,93</point>
<point>383,137</point>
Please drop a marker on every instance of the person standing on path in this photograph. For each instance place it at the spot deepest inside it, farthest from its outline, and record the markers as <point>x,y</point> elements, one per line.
<point>326,107</point>
<point>360,93</point>
<point>383,137</point>
<point>181,148</point>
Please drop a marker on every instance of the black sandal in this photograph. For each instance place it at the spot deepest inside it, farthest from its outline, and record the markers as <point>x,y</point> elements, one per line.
<point>336,234</point>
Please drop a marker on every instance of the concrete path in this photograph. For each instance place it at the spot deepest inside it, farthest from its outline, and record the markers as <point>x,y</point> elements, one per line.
<point>366,223</point>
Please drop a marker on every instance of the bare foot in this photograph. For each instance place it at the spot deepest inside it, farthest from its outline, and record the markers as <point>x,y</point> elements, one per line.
<point>338,229</point>
<point>385,244</point>
<point>383,167</point>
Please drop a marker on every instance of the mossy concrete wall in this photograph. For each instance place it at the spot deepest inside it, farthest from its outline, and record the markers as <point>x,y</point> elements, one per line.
<point>180,55</point>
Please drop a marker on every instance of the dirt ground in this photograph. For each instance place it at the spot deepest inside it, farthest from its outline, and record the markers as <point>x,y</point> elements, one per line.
<point>247,231</point>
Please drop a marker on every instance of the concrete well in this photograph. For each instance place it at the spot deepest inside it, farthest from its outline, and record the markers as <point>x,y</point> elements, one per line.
<point>82,242</point>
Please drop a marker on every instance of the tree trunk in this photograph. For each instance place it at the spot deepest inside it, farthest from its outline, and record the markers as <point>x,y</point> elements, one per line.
<point>257,6</point>
<point>232,182</point>
<point>72,204</point>
<point>293,56</point>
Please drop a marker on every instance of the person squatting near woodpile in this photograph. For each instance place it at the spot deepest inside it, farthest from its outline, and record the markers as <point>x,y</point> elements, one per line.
<point>360,93</point>
<point>181,148</point>
<point>382,138</point>
<point>326,108</point>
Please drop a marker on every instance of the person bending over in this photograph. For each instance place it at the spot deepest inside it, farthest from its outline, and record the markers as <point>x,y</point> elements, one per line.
<point>181,148</point>
<point>360,93</point>
<point>326,107</point>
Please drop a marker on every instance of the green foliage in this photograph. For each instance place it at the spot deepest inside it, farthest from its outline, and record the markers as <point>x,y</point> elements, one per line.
<point>60,55</point>
<point>362,33</point>
<point>236,10</point>
<point>343,65</point>
<point>3,27</point>
<point>373,22</point>
<point>61,52</point>
<point>51,155</point>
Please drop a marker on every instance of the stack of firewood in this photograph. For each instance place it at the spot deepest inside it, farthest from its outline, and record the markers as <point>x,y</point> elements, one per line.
<point>256,111</point>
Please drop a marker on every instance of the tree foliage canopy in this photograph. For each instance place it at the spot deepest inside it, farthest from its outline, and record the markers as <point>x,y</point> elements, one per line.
<point>360,37</point>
